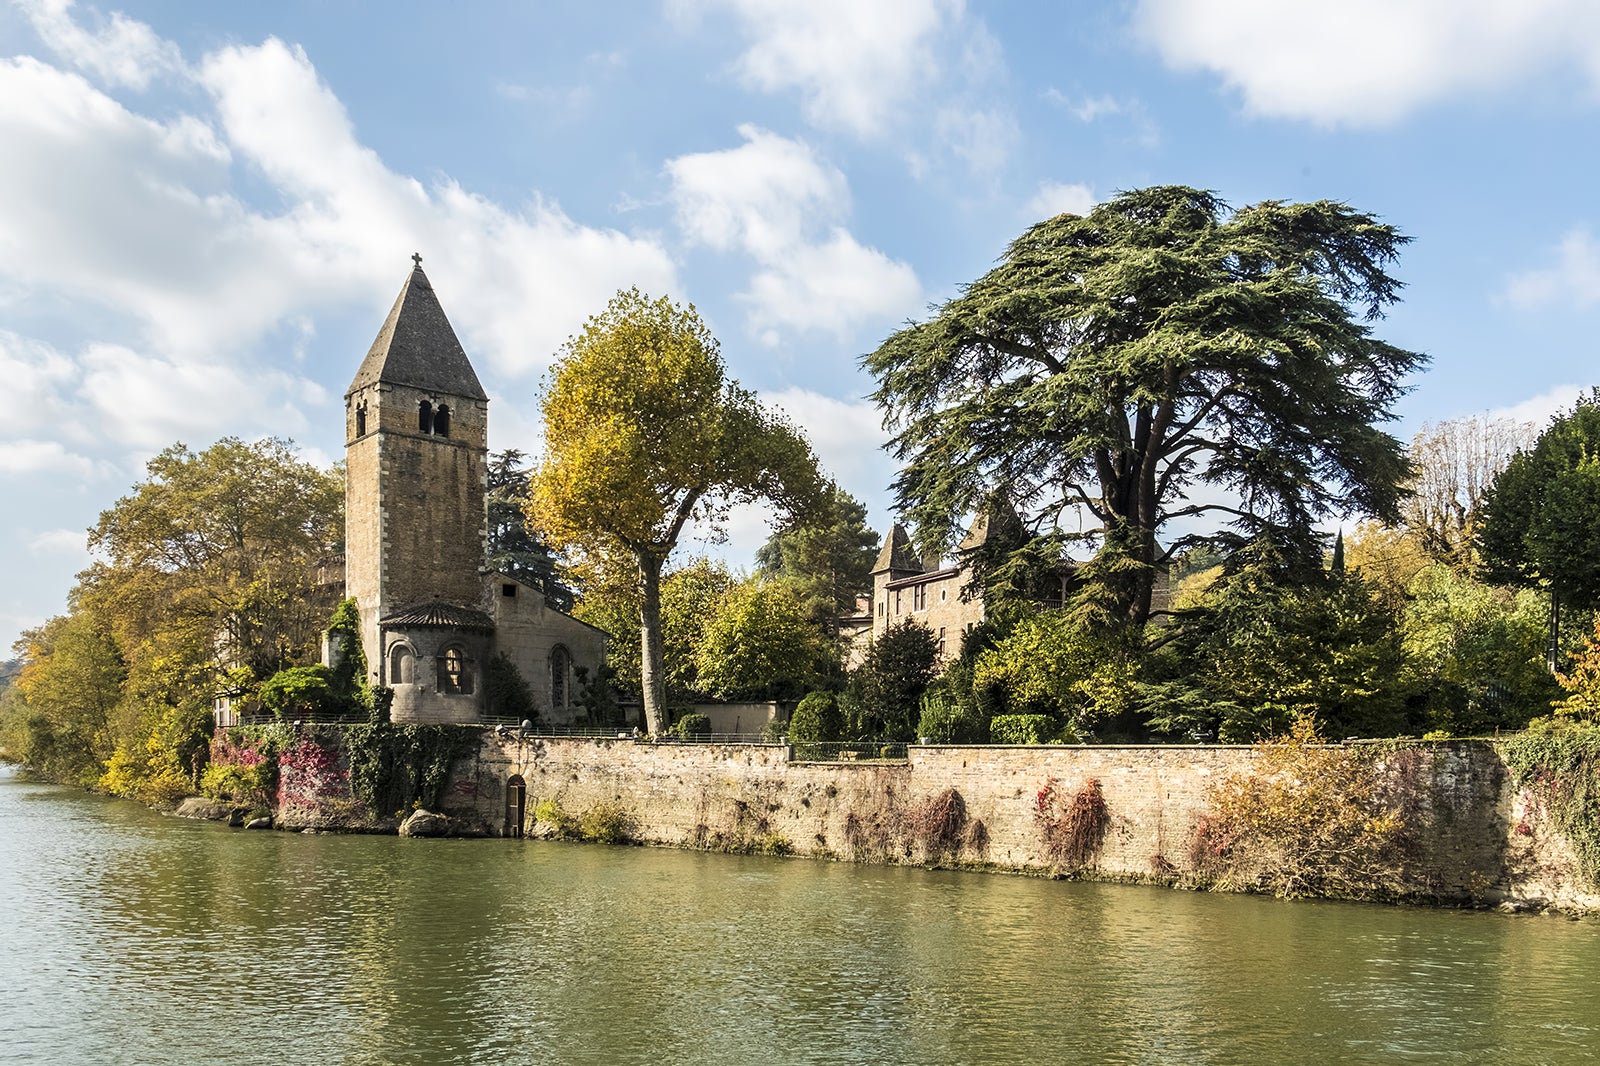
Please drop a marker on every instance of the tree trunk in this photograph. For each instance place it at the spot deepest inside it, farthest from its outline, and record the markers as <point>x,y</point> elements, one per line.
<point>652,676</point>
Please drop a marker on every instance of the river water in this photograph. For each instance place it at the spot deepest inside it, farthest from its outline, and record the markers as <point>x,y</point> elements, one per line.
<point>128,937</point>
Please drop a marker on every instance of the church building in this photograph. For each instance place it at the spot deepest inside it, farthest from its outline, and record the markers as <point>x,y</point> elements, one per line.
<point>416,479</point>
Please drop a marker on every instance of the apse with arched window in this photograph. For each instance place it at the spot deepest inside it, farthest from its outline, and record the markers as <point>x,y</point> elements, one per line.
<point>560,671</point>
<point>455,676</point>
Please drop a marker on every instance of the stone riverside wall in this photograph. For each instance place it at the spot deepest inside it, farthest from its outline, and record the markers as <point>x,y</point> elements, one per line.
<point>1476,837</point>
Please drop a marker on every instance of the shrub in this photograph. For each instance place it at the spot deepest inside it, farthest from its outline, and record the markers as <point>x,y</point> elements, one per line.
<point>1023,729</point>
<point>817,718</point>
<point>947,721</point>
<point>507,693</point>
<point>692,725</point>
<point>938,826</point>
<point>606,823</point>
<point>548,811</point>
<point>1307,819</point>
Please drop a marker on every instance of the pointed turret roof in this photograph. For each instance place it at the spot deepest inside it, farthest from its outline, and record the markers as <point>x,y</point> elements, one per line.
<point>897,555</point>
<point>417,347</point>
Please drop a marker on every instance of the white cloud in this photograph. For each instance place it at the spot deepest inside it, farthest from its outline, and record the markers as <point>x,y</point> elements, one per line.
<point>1540,409</point>
<point>848,437</point>
<point>1058,198</point>
<point>38,379</point>
<point>773,199</point>
<point>982,138</point>
<point>140,219</point>
<point>1574,279</point>
<point>1371,61</point>
<point>22,457</point>
<point>122,52</point>
<point>855,64</point>
<point>1089,108</point>
<point>59,542</point>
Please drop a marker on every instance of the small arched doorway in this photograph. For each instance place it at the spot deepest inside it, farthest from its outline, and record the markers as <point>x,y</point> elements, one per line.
<point>516,805</point>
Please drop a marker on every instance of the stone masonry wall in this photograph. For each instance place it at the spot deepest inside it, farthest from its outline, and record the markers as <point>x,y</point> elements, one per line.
<point>1477,838</point>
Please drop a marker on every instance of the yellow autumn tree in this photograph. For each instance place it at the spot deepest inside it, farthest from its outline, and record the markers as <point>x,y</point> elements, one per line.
<point>644,434</point>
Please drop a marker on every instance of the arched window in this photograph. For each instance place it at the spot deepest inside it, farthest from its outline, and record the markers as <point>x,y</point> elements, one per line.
<point>402,665</point>
<point>361,419</point>
<point>425,417</point>
<point>455,673</point>
<point>441,421</point>
<point>560,671</point>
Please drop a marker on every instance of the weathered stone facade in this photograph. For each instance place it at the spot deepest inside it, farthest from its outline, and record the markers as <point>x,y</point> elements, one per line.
<point>416,455</point>
<point>1477,838</point>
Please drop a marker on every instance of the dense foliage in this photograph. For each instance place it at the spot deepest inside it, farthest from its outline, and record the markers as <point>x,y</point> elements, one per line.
<point>510,546</point>
<point>645,433</point>
<point>1110,364</point>
<point>827,559</point>
<point>207,582</point>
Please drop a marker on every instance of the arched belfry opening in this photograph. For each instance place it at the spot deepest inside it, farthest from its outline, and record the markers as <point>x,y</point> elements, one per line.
<point>441,421</point>
<point>425,417</point>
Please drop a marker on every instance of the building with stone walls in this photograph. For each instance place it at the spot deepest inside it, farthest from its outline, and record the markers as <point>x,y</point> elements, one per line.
<point>942,597</point>
<point>416,477</point>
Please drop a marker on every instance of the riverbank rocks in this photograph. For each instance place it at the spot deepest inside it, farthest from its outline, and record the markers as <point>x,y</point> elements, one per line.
<point>205,809</point>
<point>259,823</point>
<point>432,824</point>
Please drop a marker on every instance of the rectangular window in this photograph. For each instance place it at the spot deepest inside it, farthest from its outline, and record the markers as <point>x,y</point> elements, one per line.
<point>508,590</point>
<point>897,607</point>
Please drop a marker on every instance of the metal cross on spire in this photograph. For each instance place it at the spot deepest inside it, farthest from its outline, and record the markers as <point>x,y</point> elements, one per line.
<point>416,257</point>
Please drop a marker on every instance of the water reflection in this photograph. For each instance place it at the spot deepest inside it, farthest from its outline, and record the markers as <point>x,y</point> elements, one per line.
<point>133,938</point>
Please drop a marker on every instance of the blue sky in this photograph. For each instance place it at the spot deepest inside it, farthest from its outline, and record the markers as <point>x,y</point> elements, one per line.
<point>206,210</point>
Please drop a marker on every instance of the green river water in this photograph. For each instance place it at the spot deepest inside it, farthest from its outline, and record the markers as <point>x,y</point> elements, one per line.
<point>128,937</point>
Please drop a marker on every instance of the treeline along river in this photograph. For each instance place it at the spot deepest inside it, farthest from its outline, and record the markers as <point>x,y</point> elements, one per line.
<point>128,937</point>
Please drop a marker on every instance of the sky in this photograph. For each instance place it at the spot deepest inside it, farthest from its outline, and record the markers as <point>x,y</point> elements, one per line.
<point>206,210</point>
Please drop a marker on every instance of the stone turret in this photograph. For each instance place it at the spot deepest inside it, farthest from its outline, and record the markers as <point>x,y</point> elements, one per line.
<point>416,455</point>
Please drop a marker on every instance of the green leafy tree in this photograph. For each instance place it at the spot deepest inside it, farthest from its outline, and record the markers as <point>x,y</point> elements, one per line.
<point>57,718</point>
<point>645,433</point>
<point>1541,517</point>
<point>511,547</point>
<point>1266,649</point>
<point>219,550</point>
<point>209,584</point>
<point>828,558</point>
<point>883,700</point>
<point>760,644</point>
<point>1475,652</point>
<point>1112,362</point>
<point>689,598</point>
<point>1050,663</point>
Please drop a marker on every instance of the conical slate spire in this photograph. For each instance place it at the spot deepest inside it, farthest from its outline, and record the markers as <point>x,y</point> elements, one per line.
<point>417,347</point>
<point>897,555</point>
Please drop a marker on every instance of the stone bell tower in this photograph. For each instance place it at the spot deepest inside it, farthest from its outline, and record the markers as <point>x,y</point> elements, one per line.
<point>416,457</point>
